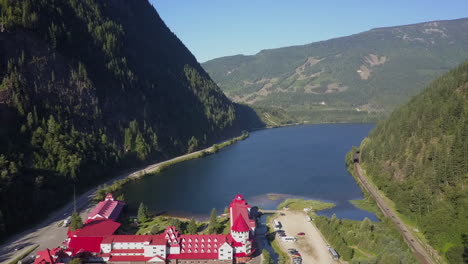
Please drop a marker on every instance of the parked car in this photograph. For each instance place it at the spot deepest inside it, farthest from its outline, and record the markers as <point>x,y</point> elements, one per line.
<point>18,248</point>
<point>301,234</point>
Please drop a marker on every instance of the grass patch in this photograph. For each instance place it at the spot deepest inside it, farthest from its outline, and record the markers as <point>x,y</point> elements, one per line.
<point>24,254</point>
<point>273,196</point>
<point>367,204</point>
<point>300,204</point>
<point>281,254</point>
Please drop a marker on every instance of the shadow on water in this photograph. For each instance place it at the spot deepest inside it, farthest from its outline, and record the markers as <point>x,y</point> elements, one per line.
<point>291,162</point>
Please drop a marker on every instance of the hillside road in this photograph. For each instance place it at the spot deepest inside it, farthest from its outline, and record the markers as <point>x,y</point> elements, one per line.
<point>415,244</point>
<point>48,234</point>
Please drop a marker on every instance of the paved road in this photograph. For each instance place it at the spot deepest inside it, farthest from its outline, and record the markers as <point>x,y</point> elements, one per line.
<point>415,244</point>
<point>49,235</point>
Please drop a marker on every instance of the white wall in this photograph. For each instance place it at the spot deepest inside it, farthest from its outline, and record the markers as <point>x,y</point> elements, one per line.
<point>225,252</point>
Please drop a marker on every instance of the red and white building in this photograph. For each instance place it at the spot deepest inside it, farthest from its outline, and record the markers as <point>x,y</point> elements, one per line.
<point>96,240</point>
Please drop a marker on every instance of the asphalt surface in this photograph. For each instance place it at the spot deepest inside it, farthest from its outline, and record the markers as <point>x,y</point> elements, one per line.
<point>48,234</point>
<point>415,244</point>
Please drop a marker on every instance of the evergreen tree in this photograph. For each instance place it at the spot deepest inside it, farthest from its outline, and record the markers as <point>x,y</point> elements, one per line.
<point>76,222</point>
<point>213,225</point>
<point>192,227</point>
<point>143,214</point>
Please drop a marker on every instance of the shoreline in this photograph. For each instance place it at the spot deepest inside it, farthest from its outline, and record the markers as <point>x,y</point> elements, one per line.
<point>31,234</point>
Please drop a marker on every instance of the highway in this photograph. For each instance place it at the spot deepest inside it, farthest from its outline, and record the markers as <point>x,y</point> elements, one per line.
<point>415,244</point>
<point>48,234</point>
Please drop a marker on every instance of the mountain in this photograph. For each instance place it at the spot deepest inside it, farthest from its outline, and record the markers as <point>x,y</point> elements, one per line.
<point>419,158</point>
<point>361,77</point>
<point>92,87</point>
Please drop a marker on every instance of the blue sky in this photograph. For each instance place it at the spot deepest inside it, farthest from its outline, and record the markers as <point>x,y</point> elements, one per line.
<point>217,28</point>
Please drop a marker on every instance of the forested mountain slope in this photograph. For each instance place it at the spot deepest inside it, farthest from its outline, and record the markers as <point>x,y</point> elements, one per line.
<point>89,85</point>
<point>419,158</point>
<point>354,78</point>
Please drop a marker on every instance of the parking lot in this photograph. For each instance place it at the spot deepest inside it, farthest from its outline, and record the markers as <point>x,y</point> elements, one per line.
<point>310,245</point>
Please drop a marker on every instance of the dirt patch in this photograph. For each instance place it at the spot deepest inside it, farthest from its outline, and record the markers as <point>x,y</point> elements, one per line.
<point>335,88</point>
<point>299,71</point>
<point>374,60</point>
<point>370,61</point>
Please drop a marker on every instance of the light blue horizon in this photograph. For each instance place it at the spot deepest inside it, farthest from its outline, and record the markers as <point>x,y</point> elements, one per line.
<point>213,29</point>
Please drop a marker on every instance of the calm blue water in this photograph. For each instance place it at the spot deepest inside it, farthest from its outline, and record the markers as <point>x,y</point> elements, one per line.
<point>298,161</point>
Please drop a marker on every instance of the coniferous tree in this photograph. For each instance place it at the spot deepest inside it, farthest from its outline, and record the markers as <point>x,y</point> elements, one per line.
<point>192,227</point>
<point>76,222</point>
<point>143,214</point>
<point>213,225</point>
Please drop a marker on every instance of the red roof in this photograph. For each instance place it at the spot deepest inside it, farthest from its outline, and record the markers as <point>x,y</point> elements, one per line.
<point>81,244</point>
<point>239,206</point>
<point>153,239</point>
<point>108,209</point>
<point>233,242</point>
<point>193,256</point>
<point>96,228</point>
<point>240,225</point>
<point>48,256</point>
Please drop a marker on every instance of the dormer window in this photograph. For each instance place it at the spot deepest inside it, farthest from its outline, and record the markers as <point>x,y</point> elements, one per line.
<point>209,251</point>
<point>196,239</point>
<point>183,250</point>
<point>215,245</point>
<point>209,245</point>
<point>196,245</point>
<point>215,240</point>
<point>202,240</point>
<point>190,251</point>
<point>175,242</point>
<point>196,251</point>
<point>215,251</point>
<point>202,245</point>
<point>189,240</point>
<point>189,245</point>
<point>209,239</point>
<point>202,251</point>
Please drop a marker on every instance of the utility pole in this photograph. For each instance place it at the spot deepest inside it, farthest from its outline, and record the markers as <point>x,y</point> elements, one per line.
<point>74,199</point>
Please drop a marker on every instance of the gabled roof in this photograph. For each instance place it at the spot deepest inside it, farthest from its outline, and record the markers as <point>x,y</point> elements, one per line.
<point>96,228</point>
<point>108,209</point>
<point>239,206</point>
<point>49,256</point>
<point>240,225</point>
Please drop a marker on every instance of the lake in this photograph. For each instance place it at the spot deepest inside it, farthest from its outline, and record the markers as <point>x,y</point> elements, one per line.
<point>304,161</point>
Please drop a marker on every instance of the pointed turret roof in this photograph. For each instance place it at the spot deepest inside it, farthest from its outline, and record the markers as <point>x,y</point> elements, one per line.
<point>240,225</point>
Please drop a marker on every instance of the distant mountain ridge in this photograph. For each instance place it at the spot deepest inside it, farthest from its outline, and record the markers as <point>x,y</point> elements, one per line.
<point>354,78</point>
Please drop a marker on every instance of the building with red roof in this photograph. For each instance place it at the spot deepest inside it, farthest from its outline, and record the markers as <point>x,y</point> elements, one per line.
<point>107,209</point>
<point>96,241</point>
<point>51,256</point>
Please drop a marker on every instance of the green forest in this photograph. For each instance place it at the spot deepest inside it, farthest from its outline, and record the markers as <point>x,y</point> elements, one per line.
<point>91,87</point>
<point>356,78</point>
<point>419,158</point>
<point>365,242</point>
